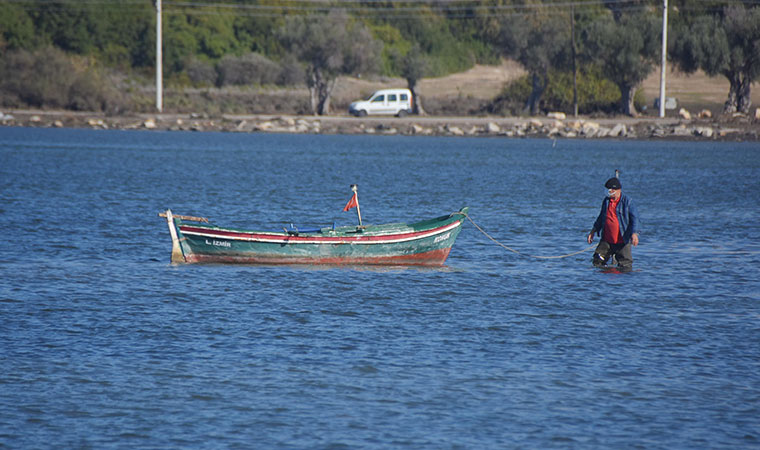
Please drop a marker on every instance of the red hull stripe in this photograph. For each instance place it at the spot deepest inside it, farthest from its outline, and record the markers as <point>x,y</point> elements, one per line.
<point>282,238</point>
<point>431,258</point>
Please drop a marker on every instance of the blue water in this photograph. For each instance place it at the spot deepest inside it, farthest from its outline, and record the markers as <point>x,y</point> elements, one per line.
<point>104,344</point>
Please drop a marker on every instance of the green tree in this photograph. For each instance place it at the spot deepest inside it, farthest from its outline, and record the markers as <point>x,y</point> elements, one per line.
<point>68,26</point>
<point>539,43</point>
<point>415,66</point>
<point>16,28</point>
<point>126,37</point>
<point>446,54</point>
<point>216,34</point>
<point>728,44</point>
<point>259,34</point>
<point>180,39</point>
<point>394,47</point>
<point>330,46</point>
<point>627,51</point>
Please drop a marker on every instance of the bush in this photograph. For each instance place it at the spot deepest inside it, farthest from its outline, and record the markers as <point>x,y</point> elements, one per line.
<point>48,78</point>
<point>243,101</point>
<point>511,100</point>
<point>595,94</point>
<point>201,72</point>
<point>291,72</point>
<point>115,55</point>
<point>252,68</point>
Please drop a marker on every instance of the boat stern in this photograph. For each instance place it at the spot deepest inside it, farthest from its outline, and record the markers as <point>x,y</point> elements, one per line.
<point>177,256</point>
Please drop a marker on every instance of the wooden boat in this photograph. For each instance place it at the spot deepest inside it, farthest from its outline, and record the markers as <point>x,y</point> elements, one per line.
<point>426,243</point>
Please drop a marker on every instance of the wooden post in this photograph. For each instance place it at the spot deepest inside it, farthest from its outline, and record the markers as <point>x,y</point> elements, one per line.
<point>355,190</point>
<point>177,257</point>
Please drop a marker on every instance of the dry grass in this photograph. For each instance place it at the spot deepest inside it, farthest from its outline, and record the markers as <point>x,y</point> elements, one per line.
<point>694,92</point>
<point>480,82</point>
<point>460,94</point>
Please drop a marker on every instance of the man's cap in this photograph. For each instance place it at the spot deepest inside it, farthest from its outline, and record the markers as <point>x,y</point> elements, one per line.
<point>613,183</point>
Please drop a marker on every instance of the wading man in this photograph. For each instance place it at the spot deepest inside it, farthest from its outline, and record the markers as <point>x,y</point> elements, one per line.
<point>618,223</point>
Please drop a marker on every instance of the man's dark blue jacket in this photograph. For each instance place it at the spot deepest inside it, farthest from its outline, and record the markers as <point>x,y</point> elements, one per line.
<point>628,217</point>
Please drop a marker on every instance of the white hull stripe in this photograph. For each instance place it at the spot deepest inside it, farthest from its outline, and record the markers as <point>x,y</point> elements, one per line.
<point>316,240</point>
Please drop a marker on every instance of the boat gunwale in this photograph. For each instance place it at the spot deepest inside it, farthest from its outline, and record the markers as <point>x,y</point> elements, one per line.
<point>449,223</point>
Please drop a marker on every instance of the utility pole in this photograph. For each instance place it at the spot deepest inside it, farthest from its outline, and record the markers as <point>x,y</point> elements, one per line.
<point>575,72</point>
<point>664,56</point>
<point>159,68</point>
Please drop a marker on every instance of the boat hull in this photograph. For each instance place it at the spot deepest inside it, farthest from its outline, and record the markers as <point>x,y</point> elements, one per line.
<point>430,258</point>
<point>425,243</point>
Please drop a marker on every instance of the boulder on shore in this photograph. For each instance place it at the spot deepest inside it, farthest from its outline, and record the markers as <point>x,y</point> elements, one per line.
<point>618,130</point>
<point>456,131</point>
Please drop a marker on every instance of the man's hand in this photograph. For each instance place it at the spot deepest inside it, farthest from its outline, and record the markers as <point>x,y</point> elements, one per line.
<point>590,237</point>
<point>635,239</point>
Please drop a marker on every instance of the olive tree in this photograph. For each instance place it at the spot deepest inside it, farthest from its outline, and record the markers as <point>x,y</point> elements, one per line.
<point>626,49</point>
<point>725,44</point>
<point>539,44</point>
<point>414,66</point>
<point>329,46</point>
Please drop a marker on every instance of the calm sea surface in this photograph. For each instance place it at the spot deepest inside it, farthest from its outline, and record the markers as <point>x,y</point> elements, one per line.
<point>104,344</point>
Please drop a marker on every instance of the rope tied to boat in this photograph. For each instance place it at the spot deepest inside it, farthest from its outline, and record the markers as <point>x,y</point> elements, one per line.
<point>518,252</point>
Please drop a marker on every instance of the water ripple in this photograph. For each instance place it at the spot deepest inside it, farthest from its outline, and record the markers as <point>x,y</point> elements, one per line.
<point>103,343</point>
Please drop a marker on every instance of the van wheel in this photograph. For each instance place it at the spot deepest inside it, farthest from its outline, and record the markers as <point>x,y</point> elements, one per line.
<point>402,113</point>
<point>362,113</point>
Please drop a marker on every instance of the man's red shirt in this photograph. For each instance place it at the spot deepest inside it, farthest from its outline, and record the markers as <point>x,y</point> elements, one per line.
<point>611,233</point>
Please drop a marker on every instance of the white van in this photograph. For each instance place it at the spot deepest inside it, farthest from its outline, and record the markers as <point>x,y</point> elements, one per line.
<point>396,102</point>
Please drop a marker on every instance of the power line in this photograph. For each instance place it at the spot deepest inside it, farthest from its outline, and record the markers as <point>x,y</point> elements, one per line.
<point>406,9</point>
<point>450,8</point>
<point>63,4</point>
<point>336,3</point>
<point>409,5</point>
<point>327,4</point>
<point>426,2</point>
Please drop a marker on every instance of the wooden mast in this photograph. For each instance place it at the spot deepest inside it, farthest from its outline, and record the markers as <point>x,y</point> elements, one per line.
<point>355,189</point>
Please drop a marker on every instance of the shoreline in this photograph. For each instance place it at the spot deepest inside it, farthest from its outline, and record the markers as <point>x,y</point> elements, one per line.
<point>738,128</point>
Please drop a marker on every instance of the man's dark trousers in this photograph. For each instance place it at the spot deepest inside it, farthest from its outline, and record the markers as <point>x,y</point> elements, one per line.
<point>622,252</point>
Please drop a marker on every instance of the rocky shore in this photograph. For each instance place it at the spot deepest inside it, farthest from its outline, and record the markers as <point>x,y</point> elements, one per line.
<point>554,125</point>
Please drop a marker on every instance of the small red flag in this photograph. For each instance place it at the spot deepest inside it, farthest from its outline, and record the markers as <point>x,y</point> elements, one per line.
<point>353,203</point>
